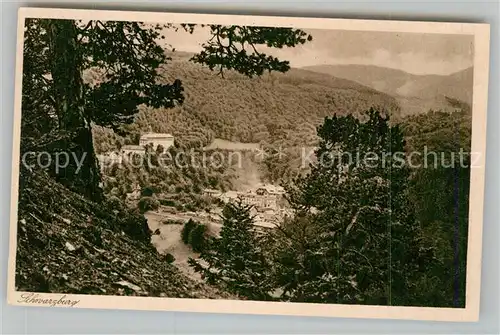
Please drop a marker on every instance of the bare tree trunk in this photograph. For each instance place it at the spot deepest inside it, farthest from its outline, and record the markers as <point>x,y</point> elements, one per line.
<point>66,70</point>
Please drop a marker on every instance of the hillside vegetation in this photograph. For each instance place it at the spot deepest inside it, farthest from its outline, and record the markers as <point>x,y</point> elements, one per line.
<point>275,107</point>
<point>175,183</point>
<point>67,244</point>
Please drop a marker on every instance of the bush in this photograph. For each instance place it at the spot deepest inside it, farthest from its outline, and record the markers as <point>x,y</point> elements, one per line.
<point>197,238</point>
<point>178,222</point>
<point>147,204</point>
<point>169,258</point>
<point>190,207</point>
<point>168,202</point>
<point>136,226</point>
<point>194,235</point>
<point>147,192</point>
<point>114,203</point>
<point>188,227</point>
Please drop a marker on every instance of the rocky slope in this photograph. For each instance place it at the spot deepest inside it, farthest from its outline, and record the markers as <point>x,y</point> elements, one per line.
<point>67,244</point>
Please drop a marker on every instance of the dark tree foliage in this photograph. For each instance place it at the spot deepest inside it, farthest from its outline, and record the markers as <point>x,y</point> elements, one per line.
<point>147,204</point>
<point>59,107</point>
<point>169,258</point>
<point>194,234</point>
<point>186,231</point>
<point>147,192</point>
<point>175,184</point>
<point>233,47</point>
<point>362,239</point>
<point>440,194</point>
<point>235,259</point>
<point>198,238</point>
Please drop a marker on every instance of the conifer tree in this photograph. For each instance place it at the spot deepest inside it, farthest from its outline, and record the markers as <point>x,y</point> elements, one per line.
<point>363,245</point>
<point>235,260</point>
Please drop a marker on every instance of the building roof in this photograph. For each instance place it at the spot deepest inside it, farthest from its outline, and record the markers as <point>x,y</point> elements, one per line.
<point>209,190</point>
<point>231,194</point>
<point>271,188</point>
<point>133,147</point>
<point>156,135</point>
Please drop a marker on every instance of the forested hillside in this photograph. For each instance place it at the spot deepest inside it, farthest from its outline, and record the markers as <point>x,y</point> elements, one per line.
<point>399,237</point>
<point>275,107</point>
<point>280,111</point>
<point>457,85</point>
<point>381,78</point>
<point>439,193</point>
<point>354,234</point>
<point>341,231</point>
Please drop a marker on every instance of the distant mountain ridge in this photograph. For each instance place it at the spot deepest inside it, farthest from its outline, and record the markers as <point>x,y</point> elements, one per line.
<point>415,93</point>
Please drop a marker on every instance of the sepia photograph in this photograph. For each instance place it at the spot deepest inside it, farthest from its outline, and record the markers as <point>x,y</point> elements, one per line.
<point>245,164</point>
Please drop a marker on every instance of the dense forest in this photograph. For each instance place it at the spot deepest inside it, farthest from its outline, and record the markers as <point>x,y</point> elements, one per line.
<point>178,184</point>
<point>276,108</point>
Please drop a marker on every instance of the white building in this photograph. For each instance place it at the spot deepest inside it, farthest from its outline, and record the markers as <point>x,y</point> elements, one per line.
<point>265,189</point>
<point>212,193</point>
<point>156,139</point>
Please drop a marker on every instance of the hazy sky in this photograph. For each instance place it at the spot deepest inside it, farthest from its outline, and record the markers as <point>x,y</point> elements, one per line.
<point>411,52</point>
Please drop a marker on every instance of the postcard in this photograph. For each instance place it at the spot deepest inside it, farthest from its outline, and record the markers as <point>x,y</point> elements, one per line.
<point>248,164</point>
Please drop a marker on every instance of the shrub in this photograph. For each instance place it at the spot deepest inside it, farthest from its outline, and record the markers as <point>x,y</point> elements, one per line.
<point>168,202</point>
<point>147,192</point>
<point>194,235</point>
<point>169,258</point>
<point>178,222</point>
<point>114,203</point>
<point>147,204</point>
<point>188,227</point>
<point>136,226</point>
<point>115,192</point>
<point>190,207</point>
<point>197,238</point>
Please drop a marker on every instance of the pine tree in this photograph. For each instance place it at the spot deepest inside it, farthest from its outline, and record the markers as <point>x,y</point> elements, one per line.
<point>363,242</point>
<point>235,260</point>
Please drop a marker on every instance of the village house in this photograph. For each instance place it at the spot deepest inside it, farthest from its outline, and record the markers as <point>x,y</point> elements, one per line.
<point>165,140</point>
<point>268,204</point>
<point>259,201</point>
<point>264,197</point>
<point>268,189</point>
<point>128,150</point>
<point>156,139</point>
<point>212,193</point>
